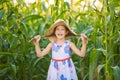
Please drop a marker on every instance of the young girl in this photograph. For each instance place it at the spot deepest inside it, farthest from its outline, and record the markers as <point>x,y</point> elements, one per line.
<point>61,65</point>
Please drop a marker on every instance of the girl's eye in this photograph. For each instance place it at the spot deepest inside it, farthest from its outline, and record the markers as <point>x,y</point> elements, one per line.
<point>57,29</point>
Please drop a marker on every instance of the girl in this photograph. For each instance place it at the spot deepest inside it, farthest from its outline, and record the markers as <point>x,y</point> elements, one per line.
<point>61,66</point>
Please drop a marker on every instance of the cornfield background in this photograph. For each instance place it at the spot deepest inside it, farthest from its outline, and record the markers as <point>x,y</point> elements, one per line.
<point>20,21</point>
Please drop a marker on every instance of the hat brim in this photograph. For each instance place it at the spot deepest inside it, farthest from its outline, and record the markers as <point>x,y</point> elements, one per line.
<point>50,32</point>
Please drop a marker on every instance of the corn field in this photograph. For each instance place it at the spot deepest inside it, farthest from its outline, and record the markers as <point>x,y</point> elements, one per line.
<point>20,21</point>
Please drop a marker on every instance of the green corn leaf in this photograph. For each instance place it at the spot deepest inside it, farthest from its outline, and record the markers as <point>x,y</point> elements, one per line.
<point>4,71</point>
<point>1,14</point>
<point>93,63</point>
<point>100,67</point>
<point>5,53</point>
<point>36,61</point>
<point>14,69</point>
<point>31,17</point>
<point>88,30</point>
<point>116,71</point>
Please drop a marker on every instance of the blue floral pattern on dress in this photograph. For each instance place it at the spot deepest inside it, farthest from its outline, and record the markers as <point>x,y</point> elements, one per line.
<point>62,77</point>
<point>63,62</point>
<point>56,48</point>
<point>69,63</point>
<point>67,49</point>
<point>56,65</point>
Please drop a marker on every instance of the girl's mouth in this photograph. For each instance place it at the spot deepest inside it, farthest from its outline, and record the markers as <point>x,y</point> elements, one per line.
<point>60,34</point>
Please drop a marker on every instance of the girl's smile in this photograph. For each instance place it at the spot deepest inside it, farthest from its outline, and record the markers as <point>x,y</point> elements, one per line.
<point>60,34</point>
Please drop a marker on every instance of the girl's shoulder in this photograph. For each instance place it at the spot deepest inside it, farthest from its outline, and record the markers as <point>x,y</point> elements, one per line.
<point>50,44</point>
<point>69,42</point>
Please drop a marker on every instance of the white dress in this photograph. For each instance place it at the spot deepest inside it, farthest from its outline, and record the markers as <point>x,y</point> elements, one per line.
<point>61,65</point>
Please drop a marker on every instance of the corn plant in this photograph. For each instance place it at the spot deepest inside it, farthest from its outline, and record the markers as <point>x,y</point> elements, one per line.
<point>20,21</point>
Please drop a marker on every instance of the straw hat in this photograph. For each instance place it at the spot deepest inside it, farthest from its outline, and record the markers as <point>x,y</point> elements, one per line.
<point>50,32</point>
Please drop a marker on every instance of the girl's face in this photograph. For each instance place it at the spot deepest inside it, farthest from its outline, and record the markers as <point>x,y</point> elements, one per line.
<point>60,32</point>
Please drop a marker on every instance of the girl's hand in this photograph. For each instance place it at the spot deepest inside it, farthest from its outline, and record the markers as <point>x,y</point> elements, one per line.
<point>35,40</point>
<point>84,39</point>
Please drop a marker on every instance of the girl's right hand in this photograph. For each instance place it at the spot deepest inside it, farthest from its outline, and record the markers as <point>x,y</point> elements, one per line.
<point>38,37</point>
<point>35,40</point>
<point>84,38</point>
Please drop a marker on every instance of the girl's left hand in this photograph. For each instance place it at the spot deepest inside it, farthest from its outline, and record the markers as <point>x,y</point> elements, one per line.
<point>84,39</point>
<point>35,40</point>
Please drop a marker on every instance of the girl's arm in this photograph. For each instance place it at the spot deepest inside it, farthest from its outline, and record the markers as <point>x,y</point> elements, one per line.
<point>44,52</point>
<point>77,51</point>
<point>37,47</point>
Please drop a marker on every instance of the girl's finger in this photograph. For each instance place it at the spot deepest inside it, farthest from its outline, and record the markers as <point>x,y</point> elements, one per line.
<point>36,38</point>
<point>32,40</point>
<point>83,36</point>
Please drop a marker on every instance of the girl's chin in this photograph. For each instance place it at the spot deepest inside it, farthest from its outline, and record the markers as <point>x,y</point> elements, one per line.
<point>60,37</point>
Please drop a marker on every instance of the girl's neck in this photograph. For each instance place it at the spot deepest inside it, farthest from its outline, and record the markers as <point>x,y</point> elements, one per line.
<point>60,41</point>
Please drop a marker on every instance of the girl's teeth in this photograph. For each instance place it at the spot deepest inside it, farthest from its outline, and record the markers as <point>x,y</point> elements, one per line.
<point>60,34</point>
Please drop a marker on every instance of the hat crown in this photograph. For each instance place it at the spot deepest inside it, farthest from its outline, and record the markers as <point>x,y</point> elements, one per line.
<point>59,20</point>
